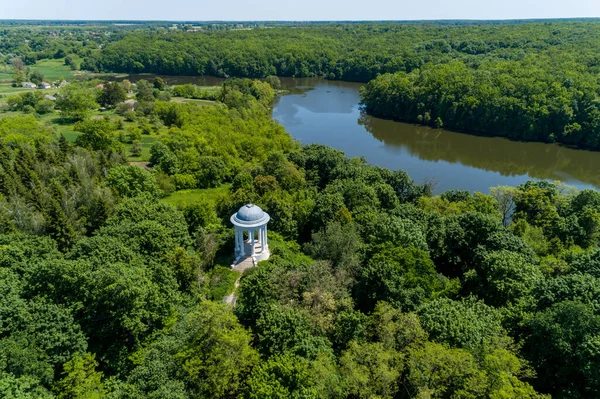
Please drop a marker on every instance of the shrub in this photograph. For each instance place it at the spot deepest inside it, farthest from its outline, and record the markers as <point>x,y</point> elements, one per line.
<point>212,173</point>
<point>131,181</point>
<point>184,181</point>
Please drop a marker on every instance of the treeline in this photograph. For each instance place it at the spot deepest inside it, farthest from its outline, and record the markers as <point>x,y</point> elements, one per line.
<point>375,288</point>
<point>356,52</point>
<point>514,99</point>
<point>31,43</point>
<point>529,81</point>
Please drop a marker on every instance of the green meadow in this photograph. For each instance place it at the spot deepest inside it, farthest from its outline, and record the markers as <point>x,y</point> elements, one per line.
<point>185,197</point>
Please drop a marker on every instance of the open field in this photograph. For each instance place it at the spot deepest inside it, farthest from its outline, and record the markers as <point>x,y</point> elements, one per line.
<point>6,74</point>
<point>54,121</point>
<point>191,100</point>
<point>7,89</point>
<point>184,197</point>
<point>54,70</point>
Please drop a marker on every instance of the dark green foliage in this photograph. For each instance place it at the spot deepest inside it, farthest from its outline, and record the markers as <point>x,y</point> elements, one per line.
<point>576,286</point>
<point>404,277</point>
<point>111,95</point>
<point>98,134</point>
<point>502,277</point>
<point>158,83</point>
<point>212,172</point>
<point>339,244</point>
<point>374,287</point>
<point>163,158</point>
<point>467,323</point>
<point>144,91</point>
<point>350,325</point>
<point>131,181</point>
<point>147,227</point>
<point>561,345</point>
<point>464,233</point>
<point>281,329</point>
<point>36,77</point>
<point>274,82</point>
<point>493,99</point>
<point>76,100</point>
<point>199,215</point>
<point>205,354</point>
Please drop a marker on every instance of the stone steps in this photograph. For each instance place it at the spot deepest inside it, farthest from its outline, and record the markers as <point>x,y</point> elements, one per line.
<point>243,263</point>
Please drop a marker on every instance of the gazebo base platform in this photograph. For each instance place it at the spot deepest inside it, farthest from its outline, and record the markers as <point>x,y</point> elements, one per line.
<point>245,262</point>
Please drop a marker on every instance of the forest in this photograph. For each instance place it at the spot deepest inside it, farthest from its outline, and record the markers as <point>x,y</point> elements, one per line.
<point>375,288</point>
<point>115,238</point>
<point>530,81</point>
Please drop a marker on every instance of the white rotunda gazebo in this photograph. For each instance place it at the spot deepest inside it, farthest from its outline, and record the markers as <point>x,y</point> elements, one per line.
<point>252,220</point>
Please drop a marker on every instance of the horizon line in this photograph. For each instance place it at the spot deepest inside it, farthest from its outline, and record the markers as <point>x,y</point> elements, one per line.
<point>306,21</point>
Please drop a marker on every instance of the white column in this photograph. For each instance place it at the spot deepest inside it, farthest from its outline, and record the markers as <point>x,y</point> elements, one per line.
<point>241,239</point>
<point>237,241</point>
<point>266,240</point>
<point>251,242</point>
<point>262,239</point>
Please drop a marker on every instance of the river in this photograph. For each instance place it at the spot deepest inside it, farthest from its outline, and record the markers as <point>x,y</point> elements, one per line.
<point>328,112</point>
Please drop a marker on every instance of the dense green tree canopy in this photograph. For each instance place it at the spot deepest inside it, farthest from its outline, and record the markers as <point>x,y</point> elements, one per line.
<point>374,288</point>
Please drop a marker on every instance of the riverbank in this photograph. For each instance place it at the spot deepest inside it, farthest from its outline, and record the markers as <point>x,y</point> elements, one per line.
<point>328,112</point>
<point>528,105</point>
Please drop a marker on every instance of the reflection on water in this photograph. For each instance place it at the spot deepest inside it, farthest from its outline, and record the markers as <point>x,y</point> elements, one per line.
<point>329,114</point>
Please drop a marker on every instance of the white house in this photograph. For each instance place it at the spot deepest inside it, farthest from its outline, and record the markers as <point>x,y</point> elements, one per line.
<point>29,85</point>
<point>44,85</point>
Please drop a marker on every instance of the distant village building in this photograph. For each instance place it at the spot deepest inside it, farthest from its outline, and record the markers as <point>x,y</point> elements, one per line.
<point>29,85</point>
<point>44,85</point>
<point>130,104</point>
<point>49,97</point>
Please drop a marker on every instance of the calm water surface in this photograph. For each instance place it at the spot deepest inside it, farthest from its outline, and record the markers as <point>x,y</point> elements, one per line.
<point>327,112</point>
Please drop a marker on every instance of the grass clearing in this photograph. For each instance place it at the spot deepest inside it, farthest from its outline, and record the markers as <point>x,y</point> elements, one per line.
<point>54,69</point>
<point>185,197</point>
<point>146,143</point>
<point>192,100</point>
<point>67,129</point>
<point>6,90</point>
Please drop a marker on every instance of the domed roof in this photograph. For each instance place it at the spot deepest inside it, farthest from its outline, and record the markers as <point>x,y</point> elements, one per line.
<point>250,216</point>
<point>250,213</point>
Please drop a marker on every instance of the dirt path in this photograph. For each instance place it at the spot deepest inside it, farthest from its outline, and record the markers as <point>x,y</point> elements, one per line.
<point>231,299</point>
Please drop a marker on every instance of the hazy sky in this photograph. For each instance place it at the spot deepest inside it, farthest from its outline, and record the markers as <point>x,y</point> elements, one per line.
<point>197,10</point>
